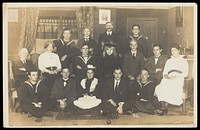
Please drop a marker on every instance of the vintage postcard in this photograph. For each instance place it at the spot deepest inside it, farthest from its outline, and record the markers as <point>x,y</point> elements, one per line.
<point>71,40</point>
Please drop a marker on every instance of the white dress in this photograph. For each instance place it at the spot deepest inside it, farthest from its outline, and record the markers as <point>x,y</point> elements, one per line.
<point>171,90</point>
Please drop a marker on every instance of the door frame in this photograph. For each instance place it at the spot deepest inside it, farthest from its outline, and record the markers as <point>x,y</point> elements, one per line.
<point>142,19</point>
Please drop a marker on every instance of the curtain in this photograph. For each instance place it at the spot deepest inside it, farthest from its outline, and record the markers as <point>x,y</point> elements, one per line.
<point>85,19</point>
<point>29,28</point>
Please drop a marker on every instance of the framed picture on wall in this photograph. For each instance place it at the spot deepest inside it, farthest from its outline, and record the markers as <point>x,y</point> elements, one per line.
<point>179,16</point>
<point>104,16</point>
<point>12,15</point>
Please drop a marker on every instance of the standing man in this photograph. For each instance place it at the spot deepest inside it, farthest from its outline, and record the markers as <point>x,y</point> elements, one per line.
<point>107,37</point>
<point>142,43</point>
<point>66,48</point>
<point>93,50</point>
<point>156,64</point>
<point>133,63</point>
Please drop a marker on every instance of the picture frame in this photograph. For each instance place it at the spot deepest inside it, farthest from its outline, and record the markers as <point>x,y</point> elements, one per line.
<point>104,16</point>
<point>12,15</point>
<point>179,16</point>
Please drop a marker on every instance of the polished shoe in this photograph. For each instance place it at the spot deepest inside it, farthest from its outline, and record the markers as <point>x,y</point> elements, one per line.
<point>128,113</point>
<point>161,112</point>
<point>38,120</point>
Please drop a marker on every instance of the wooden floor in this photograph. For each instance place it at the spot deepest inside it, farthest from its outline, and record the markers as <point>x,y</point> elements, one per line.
<point>174,118</point>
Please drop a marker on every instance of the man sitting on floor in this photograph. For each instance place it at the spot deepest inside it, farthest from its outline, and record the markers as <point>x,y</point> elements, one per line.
<point>34,97</point>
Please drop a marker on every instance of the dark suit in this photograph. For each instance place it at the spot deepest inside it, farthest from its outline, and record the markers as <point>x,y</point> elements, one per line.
<point>19,75</point>
<point>151,66</point>
<point>133,65</point>
<point>61,92</point>
<point>106,39</point>
<point>118,95</point>
<point>142,45</point>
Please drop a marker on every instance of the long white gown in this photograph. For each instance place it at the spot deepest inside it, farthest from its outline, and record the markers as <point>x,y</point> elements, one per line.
<point>171,90</point>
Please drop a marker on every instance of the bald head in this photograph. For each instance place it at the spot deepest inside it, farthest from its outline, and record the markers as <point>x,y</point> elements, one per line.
<point>23,53</point>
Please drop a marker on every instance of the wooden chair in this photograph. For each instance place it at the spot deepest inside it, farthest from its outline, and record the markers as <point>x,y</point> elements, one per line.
<point>188,93</point>
<point>11,84</point>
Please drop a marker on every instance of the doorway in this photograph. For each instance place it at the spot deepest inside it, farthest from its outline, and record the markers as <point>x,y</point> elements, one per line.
<point>148,29</point>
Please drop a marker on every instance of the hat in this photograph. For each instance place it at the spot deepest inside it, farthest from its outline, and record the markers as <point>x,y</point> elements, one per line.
<point>110,44</point>
<point>91,67</point>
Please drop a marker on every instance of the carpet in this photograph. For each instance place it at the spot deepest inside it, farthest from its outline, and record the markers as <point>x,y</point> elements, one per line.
<point>68,116</point>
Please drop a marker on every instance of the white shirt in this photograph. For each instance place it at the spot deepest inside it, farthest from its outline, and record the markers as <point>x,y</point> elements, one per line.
<point>156,59</point>
<point>134,52</point>
<point>23,61</point>
<point>116,82</point>
<point>109,33</point>
<point>65,81</point>
<point>48,59</point>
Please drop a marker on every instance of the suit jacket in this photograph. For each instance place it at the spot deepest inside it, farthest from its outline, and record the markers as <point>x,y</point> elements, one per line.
<point>19,75</point>
<point>105,38</point>
<point>118,95</point>
<point>133,66</point>
<point>61,92</point>
<point>142,45</point>
<point>151,66</point>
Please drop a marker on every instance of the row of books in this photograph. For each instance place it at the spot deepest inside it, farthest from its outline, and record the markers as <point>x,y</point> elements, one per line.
<point>48,27</point>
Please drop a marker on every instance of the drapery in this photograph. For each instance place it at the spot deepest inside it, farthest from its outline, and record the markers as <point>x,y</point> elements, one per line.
<point>29,28</point>
<point>85,19</point>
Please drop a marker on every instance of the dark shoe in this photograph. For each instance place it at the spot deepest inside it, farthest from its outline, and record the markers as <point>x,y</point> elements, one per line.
<point>151,112</point>
<point>29,114</point>
<point>113,116</point>
<point>18,109</point>
<point>49,114</point>
<point>38,120</point>
<point>160,112</point>
<point>127,113</point>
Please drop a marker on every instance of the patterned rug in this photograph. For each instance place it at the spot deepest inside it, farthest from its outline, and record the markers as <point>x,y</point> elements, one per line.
<point>68,116</point>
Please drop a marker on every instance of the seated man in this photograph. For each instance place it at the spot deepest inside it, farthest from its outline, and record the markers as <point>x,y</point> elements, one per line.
<point>142,95</point>
<point>34,96</point>
<point>156,64</point>
<point>114,93</point>
<point>64,91</point>
<point>20,68</point>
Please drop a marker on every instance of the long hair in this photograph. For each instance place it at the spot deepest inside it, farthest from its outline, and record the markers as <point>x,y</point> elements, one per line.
<point>106,48</point>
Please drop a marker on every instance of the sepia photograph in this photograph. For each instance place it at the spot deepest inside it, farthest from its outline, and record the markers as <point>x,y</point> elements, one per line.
<point>99,65</point>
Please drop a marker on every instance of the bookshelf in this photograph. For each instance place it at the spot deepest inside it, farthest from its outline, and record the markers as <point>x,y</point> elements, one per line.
<point>51,24</point>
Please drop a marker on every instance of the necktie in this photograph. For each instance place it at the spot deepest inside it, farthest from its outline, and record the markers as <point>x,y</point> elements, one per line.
<point>65,83</point>
<point>86,39</point>
<point>116,86</point>
<point>156,60</point>
<point>23,61</point>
